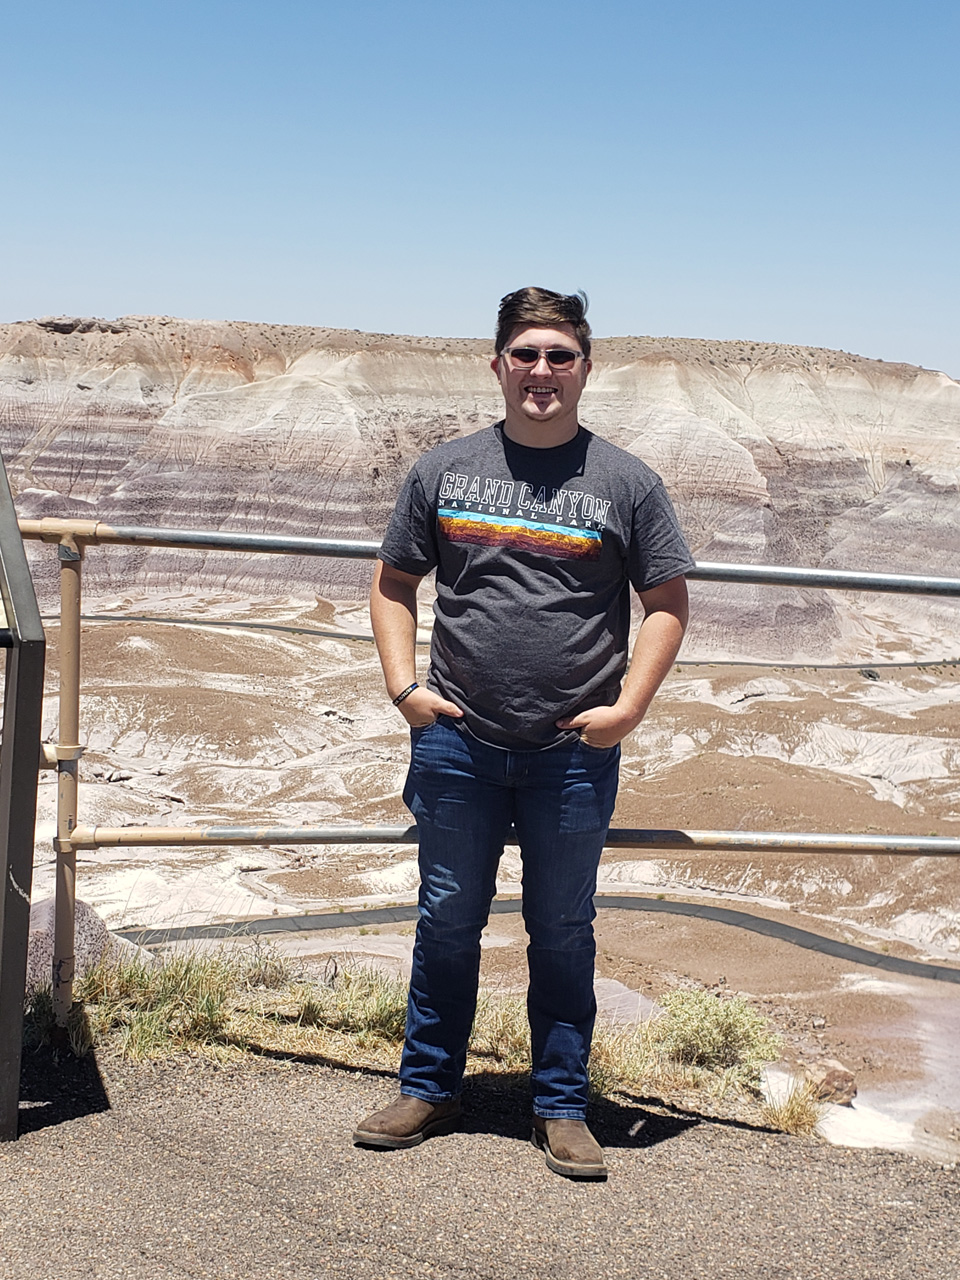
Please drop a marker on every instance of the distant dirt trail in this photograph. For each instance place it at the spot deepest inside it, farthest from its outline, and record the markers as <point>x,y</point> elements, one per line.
<point>805,938</point>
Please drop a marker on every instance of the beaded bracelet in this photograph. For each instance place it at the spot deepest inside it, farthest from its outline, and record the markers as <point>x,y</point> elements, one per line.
<point>406,693</point>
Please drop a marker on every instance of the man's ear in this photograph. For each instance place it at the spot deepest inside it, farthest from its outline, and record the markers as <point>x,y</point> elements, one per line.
<point>495,365</point>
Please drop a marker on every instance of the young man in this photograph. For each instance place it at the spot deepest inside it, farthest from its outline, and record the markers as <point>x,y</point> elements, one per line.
<point>537,530</point>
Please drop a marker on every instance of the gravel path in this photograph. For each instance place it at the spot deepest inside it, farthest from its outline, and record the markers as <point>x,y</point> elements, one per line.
<point>188,1170</point>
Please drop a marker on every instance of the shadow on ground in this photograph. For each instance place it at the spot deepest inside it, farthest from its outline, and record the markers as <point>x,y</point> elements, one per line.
<point>56,1085</point>
<point>499,1103</point>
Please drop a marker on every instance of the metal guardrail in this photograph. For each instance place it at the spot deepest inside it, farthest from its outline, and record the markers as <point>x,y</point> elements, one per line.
<point>22,636</point>
<point>617,838</point>
<point>73,536</point>
<point>98,533</point>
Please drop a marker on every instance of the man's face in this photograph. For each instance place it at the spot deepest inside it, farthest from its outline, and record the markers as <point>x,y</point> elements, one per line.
<point>542,394</point>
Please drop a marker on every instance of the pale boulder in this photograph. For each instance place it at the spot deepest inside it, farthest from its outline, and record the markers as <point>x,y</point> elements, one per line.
<point>93,941</point>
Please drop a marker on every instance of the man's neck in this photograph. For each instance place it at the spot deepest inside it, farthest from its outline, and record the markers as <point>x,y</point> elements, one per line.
<point>540,435</point>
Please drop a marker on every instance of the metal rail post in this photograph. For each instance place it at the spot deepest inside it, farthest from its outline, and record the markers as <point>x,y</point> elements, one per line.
<point>19,758</point>
<point>70,553</point>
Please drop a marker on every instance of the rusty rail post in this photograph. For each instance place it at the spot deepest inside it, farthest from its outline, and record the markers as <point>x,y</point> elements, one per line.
<point>70,554</point>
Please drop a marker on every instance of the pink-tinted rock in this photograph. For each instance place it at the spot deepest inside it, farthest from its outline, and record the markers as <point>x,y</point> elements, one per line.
<point>834,1082</point>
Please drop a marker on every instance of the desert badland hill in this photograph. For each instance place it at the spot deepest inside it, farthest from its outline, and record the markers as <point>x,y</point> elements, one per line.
<point>775,454</point>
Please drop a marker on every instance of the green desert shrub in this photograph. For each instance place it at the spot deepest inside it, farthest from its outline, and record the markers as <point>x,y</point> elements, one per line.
<point>719,1034</point>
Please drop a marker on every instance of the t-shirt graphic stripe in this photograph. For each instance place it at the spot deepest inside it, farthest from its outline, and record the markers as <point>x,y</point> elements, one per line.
<point>529,535</point>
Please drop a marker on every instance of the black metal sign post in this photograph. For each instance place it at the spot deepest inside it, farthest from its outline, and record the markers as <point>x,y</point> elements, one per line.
<point>21,634</point>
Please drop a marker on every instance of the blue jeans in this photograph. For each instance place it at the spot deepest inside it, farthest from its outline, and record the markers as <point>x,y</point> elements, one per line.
<point>464,795</point>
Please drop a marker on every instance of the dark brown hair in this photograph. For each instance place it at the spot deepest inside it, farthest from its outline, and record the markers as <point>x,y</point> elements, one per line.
<point>544,309</point>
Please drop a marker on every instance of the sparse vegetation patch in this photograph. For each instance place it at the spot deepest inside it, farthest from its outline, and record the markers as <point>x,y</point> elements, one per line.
<point>252,1002</point>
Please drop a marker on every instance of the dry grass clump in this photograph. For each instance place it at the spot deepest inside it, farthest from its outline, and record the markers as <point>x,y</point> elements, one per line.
<point>263,966</point>
<point>500,1040</point>
<point>624,1058</point>
<point>241,1002</point>
<point>182,1003</point>
<point>147,1009</point>
<point>364,1003</point>
<point>144,1009</point>
<point>798,1113</point>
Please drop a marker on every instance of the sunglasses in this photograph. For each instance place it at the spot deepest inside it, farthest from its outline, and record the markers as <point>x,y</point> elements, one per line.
<point>556,357</point>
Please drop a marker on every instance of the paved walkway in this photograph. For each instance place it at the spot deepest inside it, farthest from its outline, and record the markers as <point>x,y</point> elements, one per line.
<point>188,1170</point>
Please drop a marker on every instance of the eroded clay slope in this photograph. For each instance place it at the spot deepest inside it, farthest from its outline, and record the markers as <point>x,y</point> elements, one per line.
<point>773,454</point>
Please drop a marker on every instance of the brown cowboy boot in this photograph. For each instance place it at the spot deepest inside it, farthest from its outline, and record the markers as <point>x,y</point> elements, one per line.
<point>406,1122</point>
<point>569,1147</point>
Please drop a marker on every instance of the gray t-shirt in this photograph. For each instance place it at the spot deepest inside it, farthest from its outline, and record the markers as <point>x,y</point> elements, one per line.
<point>535,551</point>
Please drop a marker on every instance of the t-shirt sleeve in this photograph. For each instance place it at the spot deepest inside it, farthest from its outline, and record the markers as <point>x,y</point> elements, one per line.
<point>410,542</point>
<point>658,550</point>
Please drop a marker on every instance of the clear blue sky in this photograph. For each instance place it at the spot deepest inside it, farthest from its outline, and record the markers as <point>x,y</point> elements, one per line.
<point>765,170</point>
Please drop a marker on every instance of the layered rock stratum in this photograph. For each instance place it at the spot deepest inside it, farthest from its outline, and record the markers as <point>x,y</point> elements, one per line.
<point>773,454</point>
